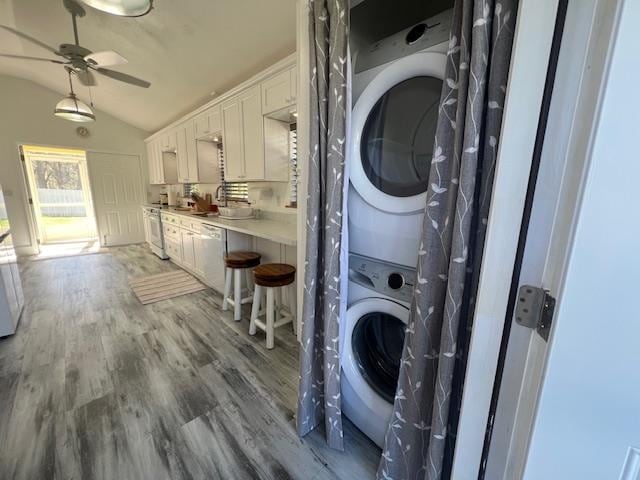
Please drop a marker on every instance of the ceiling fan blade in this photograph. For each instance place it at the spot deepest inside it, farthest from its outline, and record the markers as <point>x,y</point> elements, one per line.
<point>30,39</point>
<point>86,77</point>
<point>105,59</point>
<point>123,77</point>
<point>24,57</point>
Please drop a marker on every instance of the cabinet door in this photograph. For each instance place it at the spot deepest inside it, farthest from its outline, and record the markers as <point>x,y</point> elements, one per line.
<point>252,133</point>
<point>151,162</point>
<point>198,259</point>
<point>188,253</point>
<point>173,141</point>
<point>158,167</point>
<point>201,125</point>
<point>232,141</point>
<point>182,155</point>
<point>192,154</point>
<point>276,92</point>
<point>168,141</point>
<point>215,119</point>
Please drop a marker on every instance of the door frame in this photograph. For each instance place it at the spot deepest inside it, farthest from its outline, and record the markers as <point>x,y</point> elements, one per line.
<point>590,31</point>
<point>33,206</point>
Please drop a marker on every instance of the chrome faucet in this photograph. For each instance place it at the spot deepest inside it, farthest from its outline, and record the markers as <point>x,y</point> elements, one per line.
<point>224,194</point>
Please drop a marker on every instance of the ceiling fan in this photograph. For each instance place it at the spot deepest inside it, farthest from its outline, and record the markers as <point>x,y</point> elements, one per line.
<point>82,61</point>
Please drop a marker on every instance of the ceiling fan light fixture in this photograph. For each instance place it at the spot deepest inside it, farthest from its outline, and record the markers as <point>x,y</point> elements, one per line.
<point>70,108</point>
<point>122,8</point>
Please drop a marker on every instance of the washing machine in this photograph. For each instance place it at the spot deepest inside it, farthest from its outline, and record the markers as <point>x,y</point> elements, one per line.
<point>377,313</point>
<point>396,89</point>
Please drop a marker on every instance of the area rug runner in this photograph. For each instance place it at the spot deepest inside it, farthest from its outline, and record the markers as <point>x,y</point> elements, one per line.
<point>154,288</point>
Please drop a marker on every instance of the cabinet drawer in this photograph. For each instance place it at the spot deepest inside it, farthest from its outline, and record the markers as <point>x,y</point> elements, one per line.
<point>170,219</point>
<point>190,224</point>
<point>170,231</point>
<point>173,248</point>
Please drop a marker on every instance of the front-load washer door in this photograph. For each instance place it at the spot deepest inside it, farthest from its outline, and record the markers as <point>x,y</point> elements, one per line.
<point>372,351</point>
<point>393,133</point>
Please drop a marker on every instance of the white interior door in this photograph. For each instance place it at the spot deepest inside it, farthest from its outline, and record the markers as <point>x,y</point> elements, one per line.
<point>116,182</point>
<point>587,422</point>
<point>546,262</point>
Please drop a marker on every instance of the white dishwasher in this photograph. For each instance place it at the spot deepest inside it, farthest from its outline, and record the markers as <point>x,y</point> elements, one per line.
<point>213,250</point>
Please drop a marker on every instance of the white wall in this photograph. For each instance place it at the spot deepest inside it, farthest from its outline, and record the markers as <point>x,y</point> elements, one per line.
<point>589,409</point>
<point>26,117</point>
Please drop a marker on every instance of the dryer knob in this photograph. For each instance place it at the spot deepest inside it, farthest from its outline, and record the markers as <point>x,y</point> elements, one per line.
<point>395,281</point>
<point>416,33</point>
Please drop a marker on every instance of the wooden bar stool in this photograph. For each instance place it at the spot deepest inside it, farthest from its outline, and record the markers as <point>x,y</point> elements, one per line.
<point>272,278</point>
<point>236,264</point>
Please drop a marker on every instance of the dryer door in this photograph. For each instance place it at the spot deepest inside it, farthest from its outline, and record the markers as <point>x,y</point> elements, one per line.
<point>393,133</point>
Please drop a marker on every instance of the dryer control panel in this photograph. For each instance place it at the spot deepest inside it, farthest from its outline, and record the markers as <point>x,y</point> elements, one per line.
<point>395,281</point>
<point>421,36</point>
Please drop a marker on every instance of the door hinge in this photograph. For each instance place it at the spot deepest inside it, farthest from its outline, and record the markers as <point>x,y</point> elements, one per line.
<point>535,309</point>
<point>31,201</point>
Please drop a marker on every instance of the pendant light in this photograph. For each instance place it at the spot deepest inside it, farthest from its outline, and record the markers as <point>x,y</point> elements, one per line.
<point>70,108</point>
<point>122,8</point>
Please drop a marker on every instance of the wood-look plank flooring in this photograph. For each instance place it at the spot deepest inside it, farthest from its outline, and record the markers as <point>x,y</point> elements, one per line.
<point>95,385</point>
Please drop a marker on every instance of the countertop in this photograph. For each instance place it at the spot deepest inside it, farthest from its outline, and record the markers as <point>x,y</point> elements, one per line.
<point>267,226</point>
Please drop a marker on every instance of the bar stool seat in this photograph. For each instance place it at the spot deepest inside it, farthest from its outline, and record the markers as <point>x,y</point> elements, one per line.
<point>237,263</point>
<point>274,274</point>
<point>272,278</point>
<point>242,259</point>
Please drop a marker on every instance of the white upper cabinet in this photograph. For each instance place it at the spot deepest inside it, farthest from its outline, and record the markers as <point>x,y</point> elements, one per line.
<point>168,141</point>
<point>161,168</point>
<point>181,156</point>
<point>215,119</point>
<point>186,154</point>
<point>208,123</point>
<point>243,136</point>
<point>252,133</point>
<point>192,154</point>
<point>152,161</point>
<point>232,140</point>
<point>280,91</point>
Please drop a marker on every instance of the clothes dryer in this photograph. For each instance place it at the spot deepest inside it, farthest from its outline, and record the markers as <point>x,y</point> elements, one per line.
<point>396,88</point>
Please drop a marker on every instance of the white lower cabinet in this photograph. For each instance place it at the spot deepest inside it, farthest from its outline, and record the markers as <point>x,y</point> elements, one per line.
<point>183,243</point>
<point>173,248</point>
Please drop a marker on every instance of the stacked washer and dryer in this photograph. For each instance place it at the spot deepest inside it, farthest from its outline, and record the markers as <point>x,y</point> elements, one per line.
<point>396,90</point>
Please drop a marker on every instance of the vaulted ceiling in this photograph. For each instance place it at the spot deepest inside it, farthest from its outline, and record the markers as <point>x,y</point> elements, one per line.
<point>187,49</point>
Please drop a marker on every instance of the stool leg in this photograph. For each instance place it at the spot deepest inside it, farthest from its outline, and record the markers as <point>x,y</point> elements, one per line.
<point>237,294</point>
<point>278,304</point>
<point>255,309</point>
<point>291,293</point>
<point>270,315</point>
<point>248,277</point>
<point>227,288</point>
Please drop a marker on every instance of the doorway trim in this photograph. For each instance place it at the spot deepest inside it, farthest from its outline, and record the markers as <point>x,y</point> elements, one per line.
<point>532,46</point>
<point>590,30</point>
<point>67,155</point>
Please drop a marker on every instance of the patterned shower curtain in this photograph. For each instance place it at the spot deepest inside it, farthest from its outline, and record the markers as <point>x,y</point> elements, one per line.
<point>432,369</point>
<point>319,392</point>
